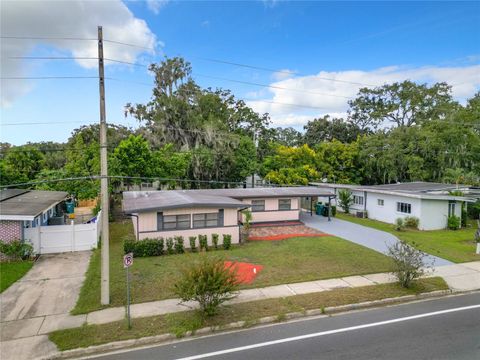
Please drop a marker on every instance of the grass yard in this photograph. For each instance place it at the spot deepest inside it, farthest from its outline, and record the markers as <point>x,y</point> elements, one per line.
<point>12,271</point>
<point>454,245</point>
<point>180,323</point>
<point>287,261</point>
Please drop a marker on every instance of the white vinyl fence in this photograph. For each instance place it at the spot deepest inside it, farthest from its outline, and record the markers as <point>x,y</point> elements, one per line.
<point>64,238</point>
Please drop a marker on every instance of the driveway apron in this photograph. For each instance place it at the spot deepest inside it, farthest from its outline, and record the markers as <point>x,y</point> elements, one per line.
<point>44,295</point>
<point>371,238</point>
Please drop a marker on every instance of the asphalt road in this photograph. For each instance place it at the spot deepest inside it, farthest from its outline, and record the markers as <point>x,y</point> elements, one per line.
<point>447,328</point>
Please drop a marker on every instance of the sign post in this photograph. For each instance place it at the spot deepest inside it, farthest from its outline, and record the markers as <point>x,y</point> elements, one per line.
<point>127,262</point>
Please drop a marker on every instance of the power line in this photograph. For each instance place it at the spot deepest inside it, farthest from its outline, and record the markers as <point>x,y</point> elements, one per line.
<point>99,177</point>
<point>46,38</point>
<point>279,71</point>
<point>46,77</point>
<point>271,86</point>
<point>41,123</point>
<point>128,44</point>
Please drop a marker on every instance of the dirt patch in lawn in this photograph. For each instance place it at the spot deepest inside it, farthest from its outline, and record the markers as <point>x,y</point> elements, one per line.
<point>272,233</point>
<point>246,272</point>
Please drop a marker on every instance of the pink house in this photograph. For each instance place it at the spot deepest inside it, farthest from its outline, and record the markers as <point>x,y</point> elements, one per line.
<point>214,211</point>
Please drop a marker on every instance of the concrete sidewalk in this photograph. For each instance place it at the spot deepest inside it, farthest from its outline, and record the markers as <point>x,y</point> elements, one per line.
<point>27,338</point>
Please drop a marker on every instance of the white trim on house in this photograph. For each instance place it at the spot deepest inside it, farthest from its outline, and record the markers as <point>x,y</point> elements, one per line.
<point>17,217</point>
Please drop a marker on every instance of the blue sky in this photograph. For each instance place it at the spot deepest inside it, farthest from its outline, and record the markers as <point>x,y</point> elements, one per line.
<point>365,42</point>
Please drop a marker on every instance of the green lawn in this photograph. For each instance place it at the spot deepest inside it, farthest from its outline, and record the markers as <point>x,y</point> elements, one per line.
<point>287,261</point>
<point>454,245</point>
<point>250,312</point>
<point>12,271</point>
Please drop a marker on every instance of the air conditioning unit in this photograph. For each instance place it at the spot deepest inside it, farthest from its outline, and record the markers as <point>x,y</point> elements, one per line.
<point>362,214</point>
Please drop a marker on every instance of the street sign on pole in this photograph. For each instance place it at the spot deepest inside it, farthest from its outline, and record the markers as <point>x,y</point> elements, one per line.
<point>127,262</point>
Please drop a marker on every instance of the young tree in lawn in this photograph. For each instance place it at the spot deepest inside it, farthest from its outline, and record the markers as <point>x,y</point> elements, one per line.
<point>208,282</point>
<point>409,263</point>
<point>345,199</point>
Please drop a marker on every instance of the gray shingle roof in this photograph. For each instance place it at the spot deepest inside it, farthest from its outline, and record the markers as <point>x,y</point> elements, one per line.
<point>28,203</point>
<point>141,201</point>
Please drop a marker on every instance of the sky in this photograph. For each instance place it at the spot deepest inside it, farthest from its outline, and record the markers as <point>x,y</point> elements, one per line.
<point>300,60</point>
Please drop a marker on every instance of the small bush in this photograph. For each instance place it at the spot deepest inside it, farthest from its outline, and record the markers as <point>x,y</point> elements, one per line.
<point>399,224</point>
<point>193,243</point>
<point>408,263</point>
<point>411,222</point>
<point>215,241</point>
<point>203,241</point>
<point>227,241</point>
<point>464,217</point>
<point>334,210</point>
<point>453,222</point>
<point>209,283</point>
<point>170,250</point>
<point>144,248</point>
<point>179,248</point>
<point>345,200</point>
<point>16,249</point>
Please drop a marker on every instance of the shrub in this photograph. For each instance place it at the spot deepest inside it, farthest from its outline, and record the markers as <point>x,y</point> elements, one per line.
<point>399,224</point>
<point>179,248</point>
<point>215,241</point>
<point>464,217</point>
<point>345,199</point>
<point>144,248</point>
<point>170,250</point>
<point>246,225</point>
<point>334,210</point>
<point>203,241</point>
<point>227,241</point>
<point>16,249</point>
<point>193,243</point>
<point>453,222</point>
<point>408,263</point>
<point>411,222</point>
<point>207,282</point>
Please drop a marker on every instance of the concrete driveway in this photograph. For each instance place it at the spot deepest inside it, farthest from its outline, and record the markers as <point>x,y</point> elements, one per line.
<point>39,301</point>
<point>374,239</point>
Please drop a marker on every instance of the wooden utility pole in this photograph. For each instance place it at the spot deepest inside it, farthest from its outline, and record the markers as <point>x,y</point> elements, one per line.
<point>105,272</point>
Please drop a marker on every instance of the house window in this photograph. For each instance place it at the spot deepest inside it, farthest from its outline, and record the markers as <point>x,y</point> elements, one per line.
<point>207,220</point>
<point>451,208</point>
<point>358,200</point>
<point>380,202</point>
<point>258,205</point>
<point>173,222</point>
<point>285,204</point>
<point>404,207</point>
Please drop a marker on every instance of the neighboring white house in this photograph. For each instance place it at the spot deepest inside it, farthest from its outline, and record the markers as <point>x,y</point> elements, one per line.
<point>431,203</point>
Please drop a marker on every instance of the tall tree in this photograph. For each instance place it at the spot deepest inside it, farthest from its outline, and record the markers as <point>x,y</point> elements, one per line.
<point>400,104</point>
<point>288,136</point>
<point>328,129</point>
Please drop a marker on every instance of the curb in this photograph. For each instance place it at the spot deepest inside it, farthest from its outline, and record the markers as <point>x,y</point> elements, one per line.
<point>151,340</point>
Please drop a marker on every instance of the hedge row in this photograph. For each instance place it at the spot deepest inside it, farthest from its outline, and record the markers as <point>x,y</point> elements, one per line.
<point>175,245</point>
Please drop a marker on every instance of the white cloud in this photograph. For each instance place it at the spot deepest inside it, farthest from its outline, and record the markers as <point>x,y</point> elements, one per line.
<point>205,23</point>
<point>156,5</point>
<point>283,74</point>
<point>72,18</point>
<point>320,96</point>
